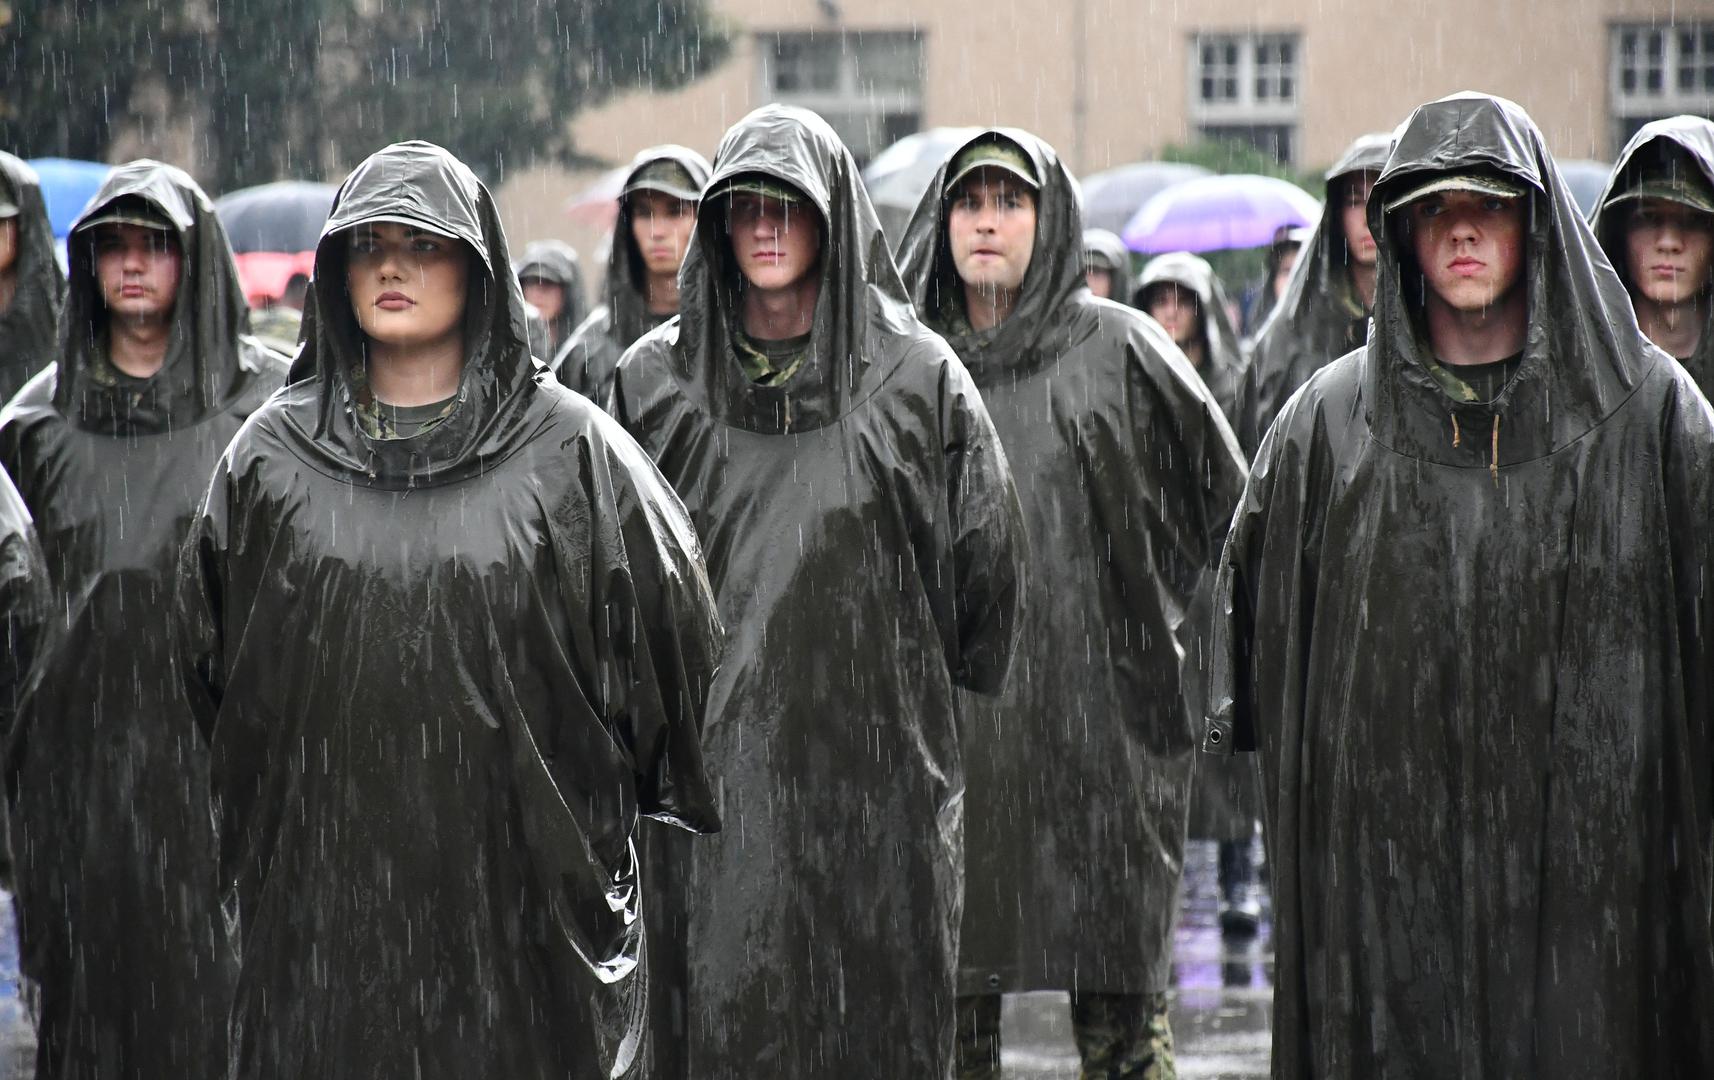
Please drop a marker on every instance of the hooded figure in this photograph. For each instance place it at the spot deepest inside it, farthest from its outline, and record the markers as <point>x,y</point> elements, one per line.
<point>29,317</point>
<point>1079,773</point>
<point>1469,640</point>
<point>1672,160</point>
<point>863,537</point>
<point>1222,363</point>
<point>441,674</point>
<point>107,780</point>
<point>1321,316</point>
<point>554,263</point>
<point>1104,251</point>
<point>587,361</point>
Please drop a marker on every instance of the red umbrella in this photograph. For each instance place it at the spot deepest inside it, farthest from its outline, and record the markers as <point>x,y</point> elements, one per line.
<point>598,204</point>
<point>264,274</point>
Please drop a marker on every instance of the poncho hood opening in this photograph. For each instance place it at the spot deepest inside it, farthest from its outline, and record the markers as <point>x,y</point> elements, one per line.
<point>1583,355</point>
<point>627,277</point>
<point>422,185</point>
<point>1223,362</point>
<point>204,358</point>
<point>1040,320</point>
<point>1103,248</point>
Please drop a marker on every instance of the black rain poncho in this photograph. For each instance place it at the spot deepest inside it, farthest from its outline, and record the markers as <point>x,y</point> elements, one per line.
<point>442,676</point>
<point>1079,773</point>
<point>29,325</point>
<point>1102,248</point>
<point>1694,135</point>
<point>555,261</point>
<point>1320,317</point>
<point>119,919</point>
<point>863,536</point>
<point>26,610</point>
<point>1223,363</point>
<point>588,359</point>
<point>1469,641</point>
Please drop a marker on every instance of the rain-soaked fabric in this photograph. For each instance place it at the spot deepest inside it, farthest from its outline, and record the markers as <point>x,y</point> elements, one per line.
<point>556,261</point>
<point>1079,773</point>
<point>1693,136</point>
<point>863,536</point>
<point>1118,1037</point>
<point>1102,248</point>
<point>441,677</point>
<point>1223,361</point>
<point>587,361</point>
<point>29,325</point>
<point>1320,318</point>
<point>108,782</point>
<point>1469,641</point>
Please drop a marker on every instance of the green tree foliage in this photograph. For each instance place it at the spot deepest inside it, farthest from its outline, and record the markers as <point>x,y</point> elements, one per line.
<point>307,87</point>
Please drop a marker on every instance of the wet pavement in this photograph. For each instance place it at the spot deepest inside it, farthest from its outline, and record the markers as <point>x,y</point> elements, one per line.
<point>1221,1012</point>
<point>1222,1007</point>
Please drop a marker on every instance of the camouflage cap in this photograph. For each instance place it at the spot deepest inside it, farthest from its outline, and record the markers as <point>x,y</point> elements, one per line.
<point>665,176</point>
<point>755,183</point>
<point>993,153</point>
<point>8,209</point>
<point>130,210</point>
<point>1683,187</point>
<point>1482,183</point>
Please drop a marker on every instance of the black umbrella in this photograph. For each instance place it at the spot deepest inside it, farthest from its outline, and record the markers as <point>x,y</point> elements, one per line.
<point>283,216</point>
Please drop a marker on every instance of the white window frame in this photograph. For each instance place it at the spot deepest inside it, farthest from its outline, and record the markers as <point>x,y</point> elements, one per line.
<point>848,90</point>
<point>1671,100</point>
<point>1245,108</point>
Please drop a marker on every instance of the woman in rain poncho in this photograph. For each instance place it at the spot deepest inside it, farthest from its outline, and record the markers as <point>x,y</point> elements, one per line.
<point>445,652</point>
<point>107,780</point>
<point>1463,617</point>
<point>32,289</point>
<point>1656,223</point>
<point>1107,264</point>
<point>1207,338</point>
<point>552,282</point>
<point>657,204</point>
<point>864,538</point>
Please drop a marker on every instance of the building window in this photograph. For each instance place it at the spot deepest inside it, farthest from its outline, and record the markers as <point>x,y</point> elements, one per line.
<point>1659,69</point>
<point>866,84</point>
<point>1245,87</point>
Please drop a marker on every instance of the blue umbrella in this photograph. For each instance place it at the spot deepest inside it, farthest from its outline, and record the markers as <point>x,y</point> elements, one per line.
<point>67,187</point>
<point>1216,213</point>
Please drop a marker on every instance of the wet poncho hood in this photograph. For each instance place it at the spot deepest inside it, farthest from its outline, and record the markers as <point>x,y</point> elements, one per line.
<point>1223,365</point>
<point>862,309</point>
<point>1693,136</point>
<point>1469,641</point>
<point>557,261</point>
<point>1319,318</point>
<point>587,360</point>
<point>211,355</point>
<point>422,185</point>
<point>29,325</point>
<point>1103,248</point>
<point>1577,305</point>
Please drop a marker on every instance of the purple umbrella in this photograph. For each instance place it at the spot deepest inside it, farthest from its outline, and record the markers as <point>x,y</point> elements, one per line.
<point>1214,213</point>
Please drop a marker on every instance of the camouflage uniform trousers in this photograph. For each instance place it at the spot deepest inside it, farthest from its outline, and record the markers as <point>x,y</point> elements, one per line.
<point>1119,1037</point>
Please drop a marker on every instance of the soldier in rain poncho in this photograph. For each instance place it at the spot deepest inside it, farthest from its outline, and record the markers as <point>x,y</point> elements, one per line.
<point>1325,310</point>
<point>1181,292</point>
<point>1464,618</point>
<point>32,289</point>
<point>1656,222</point>
<point>448,634</point>
<point>552,281</point>
<point>1107,266</point>
<point>864,538</point>
<point>1079,773</point>
<point>111,449</point>
<point>657,211</point>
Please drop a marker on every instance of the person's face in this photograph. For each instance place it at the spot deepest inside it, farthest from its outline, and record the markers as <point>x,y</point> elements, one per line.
<point>1469,246</point>
<point>547,296</point>
<point>8,244</point>
<point>1354,217</point>
<point>775,242</point>
<point>1100,281</point>
<point>661,225</point>
<point>1176,309</point>
<point>991,228</point>
<point>137,270</point>
<point>1282,270</point>
<point>407,286</point>
<point>1670,249</point>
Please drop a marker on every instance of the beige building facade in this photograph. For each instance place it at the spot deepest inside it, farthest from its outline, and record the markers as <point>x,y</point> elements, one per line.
<point>1112,81</point>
